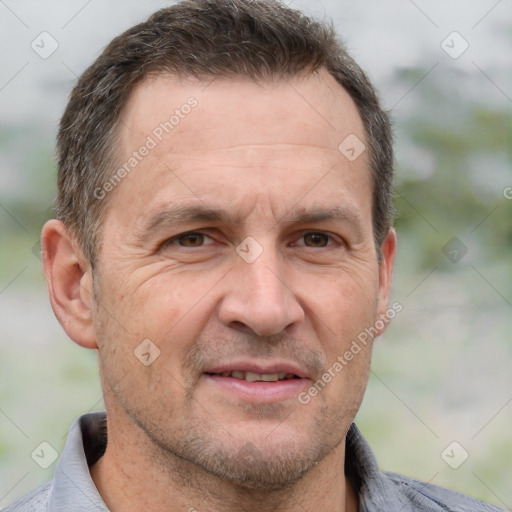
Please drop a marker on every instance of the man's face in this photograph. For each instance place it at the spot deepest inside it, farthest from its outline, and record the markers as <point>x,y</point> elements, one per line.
<point>176,267</point>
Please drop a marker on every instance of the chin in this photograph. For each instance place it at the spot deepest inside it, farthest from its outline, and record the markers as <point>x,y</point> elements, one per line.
<point>254,469</point>
<point>262,466</point>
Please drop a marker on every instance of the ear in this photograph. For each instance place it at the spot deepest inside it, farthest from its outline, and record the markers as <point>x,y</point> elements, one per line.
<point>388,249</point>
<point>69,279</point>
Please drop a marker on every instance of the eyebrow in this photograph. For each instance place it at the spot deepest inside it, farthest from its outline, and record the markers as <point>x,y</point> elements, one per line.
<point>344,213</point>
<point>168,217</point>
<point>171,216</point>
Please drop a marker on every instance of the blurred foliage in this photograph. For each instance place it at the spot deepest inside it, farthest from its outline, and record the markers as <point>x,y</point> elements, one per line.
<point>453,163</point>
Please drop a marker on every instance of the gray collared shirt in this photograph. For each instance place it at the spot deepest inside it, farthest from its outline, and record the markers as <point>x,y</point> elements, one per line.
<point>72,489</point>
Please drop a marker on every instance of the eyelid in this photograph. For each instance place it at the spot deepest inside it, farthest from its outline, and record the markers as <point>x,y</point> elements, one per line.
<point>173,240</point>
<point>333,239</point>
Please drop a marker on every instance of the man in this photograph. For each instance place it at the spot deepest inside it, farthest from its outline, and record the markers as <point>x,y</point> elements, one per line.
<point>223,239</point>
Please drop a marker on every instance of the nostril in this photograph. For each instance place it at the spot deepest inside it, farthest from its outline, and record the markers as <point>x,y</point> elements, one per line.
<point>239,326</point>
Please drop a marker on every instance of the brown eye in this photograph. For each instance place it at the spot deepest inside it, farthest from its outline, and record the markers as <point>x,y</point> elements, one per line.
<point>316,240</point>
<point>191,240</point>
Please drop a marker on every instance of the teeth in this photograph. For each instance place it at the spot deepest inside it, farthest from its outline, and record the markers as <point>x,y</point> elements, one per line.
<point>252,377</point>
<point>255,377</point>
<point>265,377</point>
<point>269,377</point>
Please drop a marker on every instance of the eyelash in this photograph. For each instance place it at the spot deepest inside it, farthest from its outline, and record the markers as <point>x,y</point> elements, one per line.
<point>188,233</point>
<point>175,239</point>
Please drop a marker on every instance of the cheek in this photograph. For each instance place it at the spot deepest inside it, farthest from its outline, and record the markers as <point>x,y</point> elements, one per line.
<point>342,306</point>
<point>150,300</point>
<point>168,305</point>
<point>143,338</point>
<point>168,308</point>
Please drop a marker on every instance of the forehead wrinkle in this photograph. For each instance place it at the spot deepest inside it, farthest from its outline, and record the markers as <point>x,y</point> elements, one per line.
<point>264,158</point>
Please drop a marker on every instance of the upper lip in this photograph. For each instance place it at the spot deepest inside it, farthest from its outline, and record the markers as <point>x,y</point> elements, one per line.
<point>259,367</point>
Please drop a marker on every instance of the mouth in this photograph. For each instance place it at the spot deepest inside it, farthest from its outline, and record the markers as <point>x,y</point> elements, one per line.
<point>257,383</point>
<point>256,377</point>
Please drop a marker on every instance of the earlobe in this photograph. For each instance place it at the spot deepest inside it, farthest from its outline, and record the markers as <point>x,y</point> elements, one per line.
<point>69,279</point>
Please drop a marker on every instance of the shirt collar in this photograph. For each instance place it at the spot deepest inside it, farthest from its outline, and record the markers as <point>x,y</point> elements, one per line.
<point>73,487</point>
<point>376,491</point>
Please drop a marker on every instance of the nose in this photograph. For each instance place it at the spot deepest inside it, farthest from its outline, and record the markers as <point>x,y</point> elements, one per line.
<point>259,298</point>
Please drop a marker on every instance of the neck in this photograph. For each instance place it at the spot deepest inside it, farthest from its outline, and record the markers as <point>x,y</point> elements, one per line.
<point>133,475</point>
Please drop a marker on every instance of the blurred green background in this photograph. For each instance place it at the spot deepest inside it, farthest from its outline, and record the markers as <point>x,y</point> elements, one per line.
<point>441,373</point>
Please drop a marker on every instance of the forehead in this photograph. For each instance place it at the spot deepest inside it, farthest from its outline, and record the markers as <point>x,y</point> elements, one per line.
<point>313,110</point>
<point>238,140</point>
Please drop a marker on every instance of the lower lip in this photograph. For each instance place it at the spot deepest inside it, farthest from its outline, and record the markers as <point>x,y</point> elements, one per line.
<point>259,391</point>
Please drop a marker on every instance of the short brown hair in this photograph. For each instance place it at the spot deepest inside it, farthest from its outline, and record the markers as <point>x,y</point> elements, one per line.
<point>204,39</point>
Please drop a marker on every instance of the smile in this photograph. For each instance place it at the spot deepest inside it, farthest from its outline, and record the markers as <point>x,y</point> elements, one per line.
<point>257,377</point>
<point>254,387</point>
